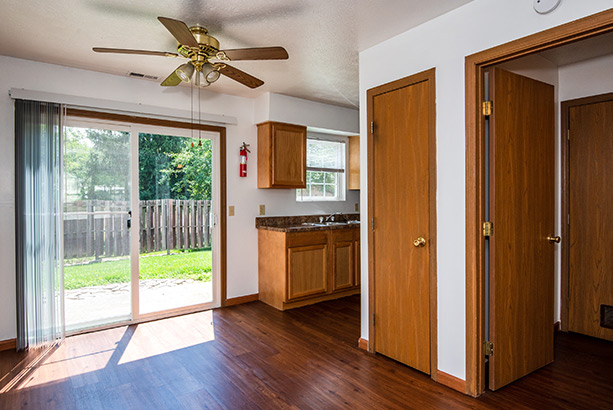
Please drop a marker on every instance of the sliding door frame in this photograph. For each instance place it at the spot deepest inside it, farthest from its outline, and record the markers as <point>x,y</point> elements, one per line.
<point>221,253</point>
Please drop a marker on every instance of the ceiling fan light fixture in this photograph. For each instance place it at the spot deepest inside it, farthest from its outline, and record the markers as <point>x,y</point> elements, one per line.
<point>185,72</point>
<point>200,79</point>
<point>211,73</point>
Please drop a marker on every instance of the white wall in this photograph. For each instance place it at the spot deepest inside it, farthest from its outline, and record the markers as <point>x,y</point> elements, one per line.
<point>241,192</point>
<point>586,78</point>
<point>443,43</point>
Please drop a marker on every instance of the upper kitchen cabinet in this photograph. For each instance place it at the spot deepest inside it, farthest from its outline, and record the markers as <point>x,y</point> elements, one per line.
<point>353,178</point>
<point>281,155</point>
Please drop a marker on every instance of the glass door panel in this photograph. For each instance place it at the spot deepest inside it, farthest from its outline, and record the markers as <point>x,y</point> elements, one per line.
<point>175,205</point>
<point>96,196</point>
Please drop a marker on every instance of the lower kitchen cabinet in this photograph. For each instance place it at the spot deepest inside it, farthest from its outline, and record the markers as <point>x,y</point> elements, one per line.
<point>343,261</point>
<point>307,271</point>
<point>301,268</point>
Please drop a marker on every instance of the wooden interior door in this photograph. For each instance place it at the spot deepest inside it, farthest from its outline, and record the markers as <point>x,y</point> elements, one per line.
<point>591,217</point>
<point>400,207</point>
<point>522,213</point>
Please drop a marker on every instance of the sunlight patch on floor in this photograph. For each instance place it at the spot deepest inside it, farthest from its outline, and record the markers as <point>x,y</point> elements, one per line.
<point>153,338</point>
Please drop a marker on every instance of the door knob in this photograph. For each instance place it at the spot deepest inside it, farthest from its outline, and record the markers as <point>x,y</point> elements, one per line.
<point>553,239</point>
<point>419,242</point>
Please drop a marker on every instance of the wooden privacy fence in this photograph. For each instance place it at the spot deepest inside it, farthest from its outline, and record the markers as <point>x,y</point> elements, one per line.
<point>99,229</point>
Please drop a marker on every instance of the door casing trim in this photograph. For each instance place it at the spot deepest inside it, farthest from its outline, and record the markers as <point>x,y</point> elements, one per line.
<point>430,76</point>
<point>475,64</point>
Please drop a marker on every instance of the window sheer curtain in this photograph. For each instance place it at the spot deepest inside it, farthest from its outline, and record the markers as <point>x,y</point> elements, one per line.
<point>38,223</point>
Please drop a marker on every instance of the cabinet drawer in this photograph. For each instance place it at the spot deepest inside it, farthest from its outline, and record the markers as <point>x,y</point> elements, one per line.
<point>307,238</point>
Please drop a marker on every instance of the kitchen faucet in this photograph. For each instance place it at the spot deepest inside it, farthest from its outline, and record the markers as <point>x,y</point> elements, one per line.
<point>330,218</point>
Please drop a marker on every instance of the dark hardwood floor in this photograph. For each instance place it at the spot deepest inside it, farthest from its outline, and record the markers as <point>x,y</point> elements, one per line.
<point>254,357</point>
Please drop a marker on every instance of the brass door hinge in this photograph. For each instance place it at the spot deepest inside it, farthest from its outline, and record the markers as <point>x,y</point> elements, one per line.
<point>373,319</point>
<point>488,348</point>
<point>372,127</point>
<point>488,228</point>
<point>487,108</point>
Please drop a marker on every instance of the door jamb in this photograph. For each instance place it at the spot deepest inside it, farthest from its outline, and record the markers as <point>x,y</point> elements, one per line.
<point>565,206</point>
<point>428,75</point>
<point>590,26</point>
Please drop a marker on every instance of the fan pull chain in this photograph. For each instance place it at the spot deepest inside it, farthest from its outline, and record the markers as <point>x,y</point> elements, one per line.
<point>191,109</point>
<point>199,130</point>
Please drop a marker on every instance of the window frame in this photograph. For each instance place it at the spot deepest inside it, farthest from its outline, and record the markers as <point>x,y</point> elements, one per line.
<point>340,174</point>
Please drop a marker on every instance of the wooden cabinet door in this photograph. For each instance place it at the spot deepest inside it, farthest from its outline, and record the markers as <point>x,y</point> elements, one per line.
<point>353,164</point>
<point>522,211</point>
<point>343,265</point>
<point>357,270</point>
<point>288,155</point>
<point>281,155</point>
<point>307,271</point>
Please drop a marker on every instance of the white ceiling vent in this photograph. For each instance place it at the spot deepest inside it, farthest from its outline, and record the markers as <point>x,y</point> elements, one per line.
<point>141,75</point>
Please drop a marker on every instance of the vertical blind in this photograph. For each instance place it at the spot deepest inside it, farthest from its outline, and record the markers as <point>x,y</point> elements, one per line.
<point>38,133</point>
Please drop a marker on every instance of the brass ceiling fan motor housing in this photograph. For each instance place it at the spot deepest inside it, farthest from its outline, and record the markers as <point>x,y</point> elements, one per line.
<point>208,44</point>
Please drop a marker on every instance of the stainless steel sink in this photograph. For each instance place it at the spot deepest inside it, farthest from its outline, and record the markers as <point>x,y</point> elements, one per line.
<point>331,223</point>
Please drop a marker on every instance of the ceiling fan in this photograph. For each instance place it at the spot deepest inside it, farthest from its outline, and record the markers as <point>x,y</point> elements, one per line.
<point>207,61</point>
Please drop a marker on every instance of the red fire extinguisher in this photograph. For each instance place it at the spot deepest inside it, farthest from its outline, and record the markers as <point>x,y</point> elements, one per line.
<point>243,165</point>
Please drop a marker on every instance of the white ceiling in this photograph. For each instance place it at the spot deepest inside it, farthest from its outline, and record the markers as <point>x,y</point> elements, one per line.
<point>322,37</point>
<point>587,49</point>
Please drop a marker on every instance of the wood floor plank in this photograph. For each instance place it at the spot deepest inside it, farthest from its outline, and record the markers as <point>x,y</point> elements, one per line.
<point>254,357</point>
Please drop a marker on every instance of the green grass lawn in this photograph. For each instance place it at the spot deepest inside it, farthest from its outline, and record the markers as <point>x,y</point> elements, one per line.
<point>194,265</point>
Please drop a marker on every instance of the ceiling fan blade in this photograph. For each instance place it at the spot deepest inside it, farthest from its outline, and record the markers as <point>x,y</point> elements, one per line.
<point>257,53</point>
<point>128,51</point>
<point>172,80</point>
<point>241,76</point>
<point>180,31</point>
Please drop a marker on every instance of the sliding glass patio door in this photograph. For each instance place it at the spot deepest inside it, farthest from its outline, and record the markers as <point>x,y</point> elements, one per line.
<point>96,214</point>
<point>176,209</point>
<point>140,224</point>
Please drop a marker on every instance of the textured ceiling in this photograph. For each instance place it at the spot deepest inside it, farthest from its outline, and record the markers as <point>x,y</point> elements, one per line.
<point>322,37</point>
<point>589,48</point>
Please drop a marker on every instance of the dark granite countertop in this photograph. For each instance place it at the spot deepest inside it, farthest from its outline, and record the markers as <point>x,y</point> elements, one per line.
<point>306,223</point>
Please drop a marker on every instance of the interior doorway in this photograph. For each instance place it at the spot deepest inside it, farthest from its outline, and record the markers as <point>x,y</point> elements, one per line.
<point>475,165</point>
<point>144,220</point>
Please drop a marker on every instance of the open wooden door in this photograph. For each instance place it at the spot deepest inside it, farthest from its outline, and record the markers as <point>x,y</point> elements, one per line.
<point>522,212</point>
<point>401,205</point>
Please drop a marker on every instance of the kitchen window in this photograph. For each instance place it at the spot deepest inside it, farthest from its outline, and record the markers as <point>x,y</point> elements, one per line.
<point>325,171</point>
